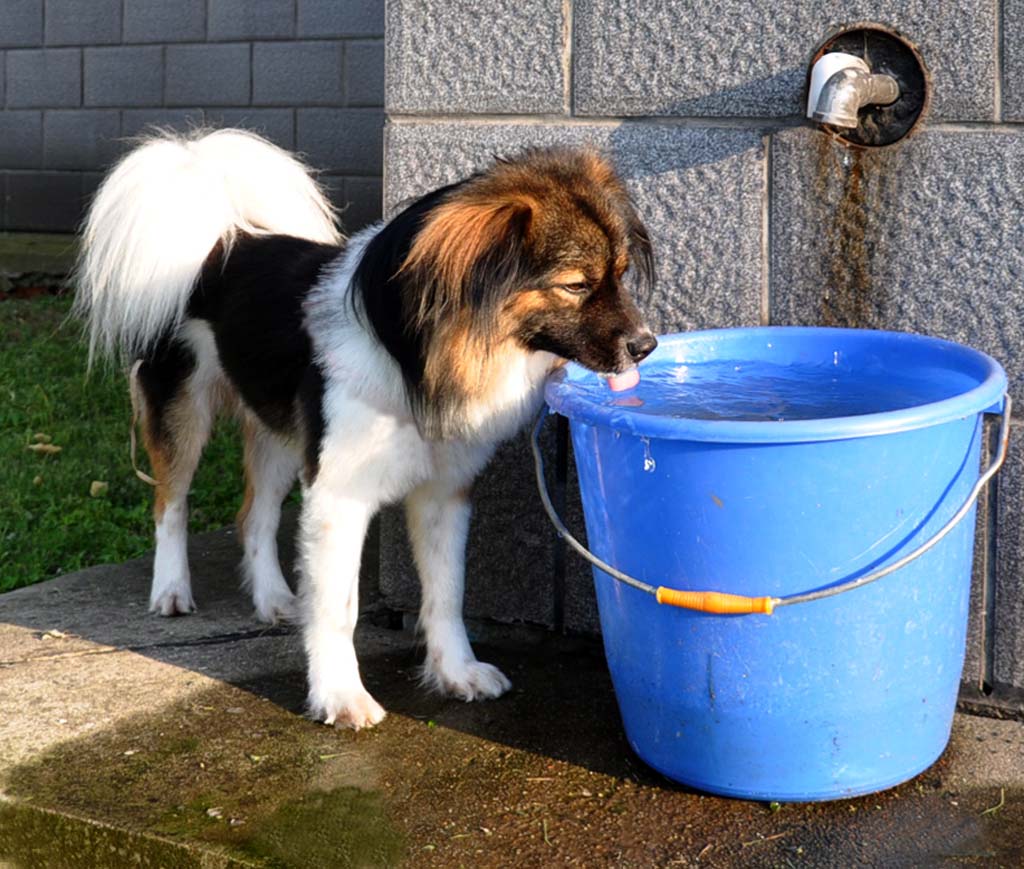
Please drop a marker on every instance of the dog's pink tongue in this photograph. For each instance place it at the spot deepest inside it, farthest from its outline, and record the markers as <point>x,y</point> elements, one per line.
<point>624,381</point>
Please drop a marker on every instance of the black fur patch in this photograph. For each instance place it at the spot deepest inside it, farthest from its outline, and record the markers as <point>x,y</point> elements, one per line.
<point>381,295</point>
<point>161,375</point>
<point>253,303</point>
<point>311,408</point>
<point>641,255</point>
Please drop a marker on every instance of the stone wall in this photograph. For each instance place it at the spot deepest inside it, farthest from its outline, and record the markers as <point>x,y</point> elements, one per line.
<point>78,77</point>
<point>700,106</point>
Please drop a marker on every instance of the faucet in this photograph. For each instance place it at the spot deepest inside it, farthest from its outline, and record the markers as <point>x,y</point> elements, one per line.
<point>841,85</point>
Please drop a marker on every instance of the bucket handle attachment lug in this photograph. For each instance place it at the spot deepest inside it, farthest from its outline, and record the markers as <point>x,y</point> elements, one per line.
<point>734,604</point>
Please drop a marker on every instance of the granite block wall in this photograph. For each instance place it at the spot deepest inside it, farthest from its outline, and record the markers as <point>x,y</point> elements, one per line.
<point>80,77</point>
<point>752,210</point>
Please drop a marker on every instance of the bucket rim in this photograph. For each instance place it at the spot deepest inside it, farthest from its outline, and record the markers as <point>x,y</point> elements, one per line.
<point>986,396</point>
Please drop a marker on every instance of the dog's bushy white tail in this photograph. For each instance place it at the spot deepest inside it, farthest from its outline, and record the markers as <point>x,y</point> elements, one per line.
<point>161,211</point>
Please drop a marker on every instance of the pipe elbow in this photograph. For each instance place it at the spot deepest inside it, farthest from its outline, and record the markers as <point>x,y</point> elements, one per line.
<point>841,85</point>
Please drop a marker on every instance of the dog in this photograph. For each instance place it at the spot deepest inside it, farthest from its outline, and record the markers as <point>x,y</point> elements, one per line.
<point>378,369</point>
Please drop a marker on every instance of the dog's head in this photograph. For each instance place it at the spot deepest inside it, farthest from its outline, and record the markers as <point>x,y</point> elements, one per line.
<point>529,255</point>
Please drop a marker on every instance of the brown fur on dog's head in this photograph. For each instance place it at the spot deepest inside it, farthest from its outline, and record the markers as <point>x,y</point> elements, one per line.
<point>526,256</point>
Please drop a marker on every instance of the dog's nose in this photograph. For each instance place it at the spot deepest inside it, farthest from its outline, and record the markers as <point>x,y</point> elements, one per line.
<point>640,345</point>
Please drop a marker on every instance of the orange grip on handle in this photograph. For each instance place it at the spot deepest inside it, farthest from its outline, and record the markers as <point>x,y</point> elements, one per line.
<point>715,601</point>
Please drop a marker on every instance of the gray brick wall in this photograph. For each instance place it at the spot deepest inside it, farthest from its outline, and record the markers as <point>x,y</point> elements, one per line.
<point>130,75</point>
<point>700,106</point>
<point>23,22</point>
<point>21,139</point>
<point>79,78</point>
<point>340,18</point>
<point>82,22</point>
<point>50,78</point>
<point>251,19</point>
<point>160,21</point>
<point>286,73</point>
<point>214,74</point>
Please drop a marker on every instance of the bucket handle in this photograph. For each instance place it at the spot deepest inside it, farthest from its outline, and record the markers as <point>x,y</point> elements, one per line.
<point>735,604</point>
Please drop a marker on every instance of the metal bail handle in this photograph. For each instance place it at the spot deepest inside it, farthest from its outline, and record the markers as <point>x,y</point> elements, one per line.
<point>735,604</point>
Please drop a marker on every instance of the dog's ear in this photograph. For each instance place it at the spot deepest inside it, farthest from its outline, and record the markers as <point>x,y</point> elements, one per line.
<point>469,255</point>
<point>641,254</point>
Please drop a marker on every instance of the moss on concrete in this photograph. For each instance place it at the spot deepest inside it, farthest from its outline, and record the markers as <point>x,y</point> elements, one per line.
<point>542,777</point>
<point>31,837</point>
<point>343,827</point>
<point>225,771</point>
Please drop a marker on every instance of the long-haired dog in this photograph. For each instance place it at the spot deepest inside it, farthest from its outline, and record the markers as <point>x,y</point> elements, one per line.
<point>382,368</point>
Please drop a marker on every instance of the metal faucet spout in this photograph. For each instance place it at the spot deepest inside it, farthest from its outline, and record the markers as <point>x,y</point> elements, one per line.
<point>841,85</point>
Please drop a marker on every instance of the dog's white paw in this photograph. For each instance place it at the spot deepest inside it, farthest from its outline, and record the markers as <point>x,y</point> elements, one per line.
<point>467,680</point>
<point>174,600</point>
<point>354,711</point>
<point>277,605</point>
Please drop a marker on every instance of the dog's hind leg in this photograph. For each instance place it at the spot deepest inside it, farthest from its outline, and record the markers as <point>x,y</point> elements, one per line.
<point>270,470</point>
<point>438,525</point>
<point>176,395</point>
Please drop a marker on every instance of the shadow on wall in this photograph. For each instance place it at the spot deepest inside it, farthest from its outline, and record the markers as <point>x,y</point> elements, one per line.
<point>746,100</point>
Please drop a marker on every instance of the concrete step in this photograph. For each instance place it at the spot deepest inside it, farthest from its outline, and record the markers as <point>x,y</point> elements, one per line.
<point>127,739</point>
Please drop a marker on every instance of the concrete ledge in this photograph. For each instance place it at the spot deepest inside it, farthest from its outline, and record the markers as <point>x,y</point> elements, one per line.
<point>125,737</point>
<point>30,836</point>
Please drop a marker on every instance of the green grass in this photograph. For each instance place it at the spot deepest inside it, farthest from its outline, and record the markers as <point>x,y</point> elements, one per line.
<point>49,522</point>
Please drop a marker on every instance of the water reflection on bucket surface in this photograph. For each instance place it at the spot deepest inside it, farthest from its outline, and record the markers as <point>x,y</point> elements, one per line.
<point>761,391</point>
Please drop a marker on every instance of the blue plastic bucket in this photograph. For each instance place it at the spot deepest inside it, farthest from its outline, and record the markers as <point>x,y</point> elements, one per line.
<point>819,700</point>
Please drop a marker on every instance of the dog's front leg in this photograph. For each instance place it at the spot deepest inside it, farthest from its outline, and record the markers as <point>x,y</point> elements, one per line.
<point>438,526</point>
<point>333,529</point>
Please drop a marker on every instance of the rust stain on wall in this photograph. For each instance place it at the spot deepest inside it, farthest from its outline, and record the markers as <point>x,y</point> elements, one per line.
<point>852,186</point>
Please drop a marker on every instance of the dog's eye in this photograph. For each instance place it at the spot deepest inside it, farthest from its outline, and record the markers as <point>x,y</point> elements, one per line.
<point>579,289</point>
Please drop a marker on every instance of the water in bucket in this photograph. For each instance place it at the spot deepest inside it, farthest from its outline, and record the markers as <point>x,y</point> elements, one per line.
<point>762,391</point>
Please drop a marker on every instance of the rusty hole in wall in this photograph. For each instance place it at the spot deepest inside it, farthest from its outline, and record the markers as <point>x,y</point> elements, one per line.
<point>885,52</point>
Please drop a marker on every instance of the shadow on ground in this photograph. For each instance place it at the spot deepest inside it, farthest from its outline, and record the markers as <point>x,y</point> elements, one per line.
<point>562,688</point>
<point>181,743</point>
